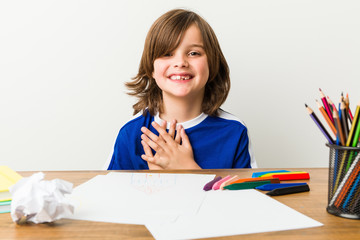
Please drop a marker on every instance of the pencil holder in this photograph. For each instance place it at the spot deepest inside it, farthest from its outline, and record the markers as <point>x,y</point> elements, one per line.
<point>344,181</point>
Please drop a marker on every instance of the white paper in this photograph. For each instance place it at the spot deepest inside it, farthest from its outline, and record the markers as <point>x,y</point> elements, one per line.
<point>225,213</point>
<point>139,198</point>
<point>39,201</point>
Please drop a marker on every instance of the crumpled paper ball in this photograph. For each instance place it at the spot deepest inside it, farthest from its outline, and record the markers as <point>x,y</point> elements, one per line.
<point>40,201</point>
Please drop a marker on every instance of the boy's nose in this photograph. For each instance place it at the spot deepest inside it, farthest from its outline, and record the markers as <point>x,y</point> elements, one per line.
<point>180,61</point>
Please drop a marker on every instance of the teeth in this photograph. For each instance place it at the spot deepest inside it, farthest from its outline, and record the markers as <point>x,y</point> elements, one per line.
<point>177,77</point>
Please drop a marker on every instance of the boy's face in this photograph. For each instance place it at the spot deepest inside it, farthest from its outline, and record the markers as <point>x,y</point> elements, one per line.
<point>184,72</point>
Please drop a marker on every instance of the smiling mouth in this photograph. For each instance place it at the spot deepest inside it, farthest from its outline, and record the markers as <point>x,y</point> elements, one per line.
<point>178,77</point>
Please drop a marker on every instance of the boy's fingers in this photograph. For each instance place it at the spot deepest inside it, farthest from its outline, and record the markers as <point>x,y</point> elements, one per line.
<point>162,133</point>
<point>163,125</point>
<point>149,134</point>
<point>148,159</point>
<point>178,134</point>
<point>172,128</point>
<point>147,149</point>
<point>185,139</point>
<point>151,143</point>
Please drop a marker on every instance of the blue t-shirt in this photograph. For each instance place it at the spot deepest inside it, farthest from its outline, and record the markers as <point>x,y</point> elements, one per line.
<point>217,142</point>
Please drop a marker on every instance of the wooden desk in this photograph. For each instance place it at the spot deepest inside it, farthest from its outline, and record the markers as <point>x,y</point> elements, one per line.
<point>312,204</point>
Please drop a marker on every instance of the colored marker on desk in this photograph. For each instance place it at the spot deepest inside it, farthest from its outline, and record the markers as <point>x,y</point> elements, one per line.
<point>255,180</point>
<point>282,173</point>
<point>294,176</point>
<point>269,187</point>
<point>217,185</point>
<point>227,182</point>
<point>209,185</point>
<point>260,174</point>
<point>245,185</point>
<point>288,190</point>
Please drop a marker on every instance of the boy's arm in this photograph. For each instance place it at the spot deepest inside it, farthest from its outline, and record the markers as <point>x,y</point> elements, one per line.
<point>121,157</point>
<point>243,158</point>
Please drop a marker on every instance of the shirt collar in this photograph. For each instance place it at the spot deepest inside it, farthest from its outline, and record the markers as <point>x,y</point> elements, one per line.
<point>188,124</point>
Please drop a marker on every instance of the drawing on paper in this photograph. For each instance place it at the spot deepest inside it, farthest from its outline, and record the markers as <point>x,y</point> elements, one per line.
<point>151,183</point>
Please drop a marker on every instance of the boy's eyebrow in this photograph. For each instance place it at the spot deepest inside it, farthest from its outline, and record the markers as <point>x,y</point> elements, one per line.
<point>197,45</point>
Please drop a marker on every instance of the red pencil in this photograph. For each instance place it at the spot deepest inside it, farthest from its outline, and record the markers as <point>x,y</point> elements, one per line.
<point>326,105</point>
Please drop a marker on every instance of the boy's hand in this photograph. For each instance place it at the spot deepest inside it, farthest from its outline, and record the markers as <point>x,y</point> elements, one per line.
<point>171,153</point>
<point>149,153</point>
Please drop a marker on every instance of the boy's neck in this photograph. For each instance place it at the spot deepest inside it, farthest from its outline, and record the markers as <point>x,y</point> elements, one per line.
<point>180,110</point>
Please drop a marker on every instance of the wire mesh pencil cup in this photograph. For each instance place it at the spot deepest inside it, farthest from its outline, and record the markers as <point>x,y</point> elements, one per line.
<point>344,181</point>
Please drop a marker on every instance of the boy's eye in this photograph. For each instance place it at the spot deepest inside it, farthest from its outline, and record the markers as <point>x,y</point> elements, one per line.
<point>194,53</point>
<point>167,55</point>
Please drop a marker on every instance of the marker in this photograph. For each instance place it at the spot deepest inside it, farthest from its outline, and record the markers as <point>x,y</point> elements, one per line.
<point>227,182</point>
<point>258,174</point>
<point>294,176</point>
<point>269,187</point>
<point>252,179</point>
<point>209,185</point>
<point>283,173</point>
<point>217,185</point>
<point>288,190</point>
<point>246,185</point>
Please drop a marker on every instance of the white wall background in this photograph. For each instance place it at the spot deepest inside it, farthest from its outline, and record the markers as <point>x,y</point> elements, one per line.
<point>63,65</point>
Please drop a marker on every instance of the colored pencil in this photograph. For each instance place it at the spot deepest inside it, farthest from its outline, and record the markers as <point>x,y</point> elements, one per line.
<point>352,141</point>
<point>347,155</point>
<point>355,140</point>
<point>345,180</point>
<point>327,119</point>
<point>331,103</point>
<point>354,124</point>
<point>356,134</point>
<point>339,129</point>
<point>319,124</point>
<point>347,184</point>
<point>352,192</point>
<point>355,202</point>
<point>326,105</point>
<point>344,120</point>
<point>347,102</point>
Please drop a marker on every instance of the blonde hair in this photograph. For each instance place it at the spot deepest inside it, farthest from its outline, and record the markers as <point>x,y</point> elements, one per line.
<point>163,37</point>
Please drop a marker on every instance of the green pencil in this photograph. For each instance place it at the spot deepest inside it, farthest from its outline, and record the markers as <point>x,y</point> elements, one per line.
<point>352,139</point>
<point>356,135</point>
<point>246,185</point>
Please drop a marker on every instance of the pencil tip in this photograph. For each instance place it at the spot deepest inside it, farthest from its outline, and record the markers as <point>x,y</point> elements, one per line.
<point>342,94</point>
<point>320,89</point>
<point>306,105</point>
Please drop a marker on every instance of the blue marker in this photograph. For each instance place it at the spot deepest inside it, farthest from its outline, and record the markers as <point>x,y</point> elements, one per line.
<point>259,174</point>
<point>272,186</point>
